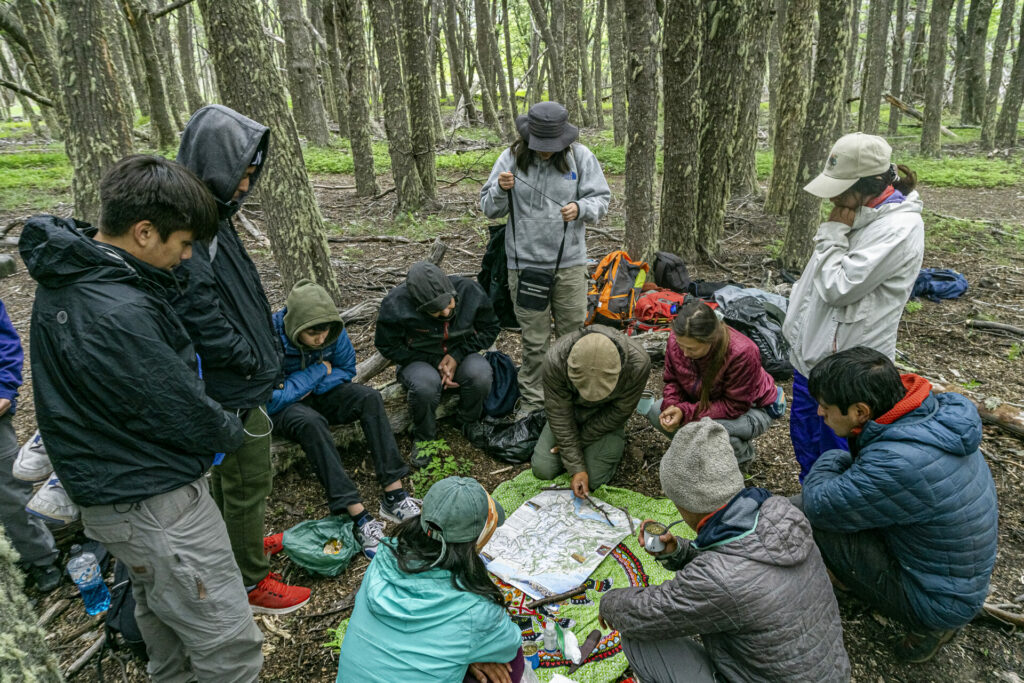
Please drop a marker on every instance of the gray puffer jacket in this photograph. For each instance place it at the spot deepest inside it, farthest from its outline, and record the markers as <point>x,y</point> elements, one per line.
<point>756,592</point>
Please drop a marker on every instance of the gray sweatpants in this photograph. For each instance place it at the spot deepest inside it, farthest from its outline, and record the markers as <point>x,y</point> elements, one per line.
<point>28,533</point>
<point>190,603</point>
<point>679,660</point>
<point>742,430</point>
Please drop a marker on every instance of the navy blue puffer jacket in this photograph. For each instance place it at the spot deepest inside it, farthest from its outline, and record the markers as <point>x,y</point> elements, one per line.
<point>922,482</point>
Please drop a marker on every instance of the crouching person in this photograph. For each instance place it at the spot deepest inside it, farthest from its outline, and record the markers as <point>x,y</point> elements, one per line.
<point>127,423</point>
<point>593,380</point>
<point>907,519</point>
<point>752,584</point>
<point>427,610</point>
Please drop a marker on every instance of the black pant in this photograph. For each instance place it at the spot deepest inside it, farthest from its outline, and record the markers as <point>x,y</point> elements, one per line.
<point>308,422</point>
<point>423,382</point>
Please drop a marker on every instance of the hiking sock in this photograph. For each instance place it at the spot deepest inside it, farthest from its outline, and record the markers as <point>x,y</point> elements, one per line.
<point>361,518</point>
<point>392,498</point>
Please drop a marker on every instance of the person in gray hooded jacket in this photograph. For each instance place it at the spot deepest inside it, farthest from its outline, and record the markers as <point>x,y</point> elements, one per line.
<point>752,584</point>
<point>549,186</point>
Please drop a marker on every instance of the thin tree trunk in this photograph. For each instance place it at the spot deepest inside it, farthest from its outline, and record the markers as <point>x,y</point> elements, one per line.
<point>490,61</point>
<point>641,19</point>
<point>351,30</point>
<point>533,72</point>
<point>898,47</point>
<point>774,62</point>
<point>509,70</point>
<point>116,31</point>
<point>825,107</point>
<point>797,36</point>
<point>186,53</point>
<point>39,32</point>
<point>554,49</point>
<point>420,79</point>
<point>586,83</point>
<point>959,57</point>
<point>617,59</point>
<point>433,58</point>
<point>935,86</point>
<point>27,110</point>
<point>334,61</point>
<point>975,86</point>
<point>307,102</point>
<point>1006,126</point>
<point>136,68</point>
<point>595,63</point>
<point>743,177</point>
<point>874,65</point>
<point>159,110</point>
<point>481,55</point>
<point>680,183</point>
<point>913,77</point>
<point>456,65</point>
<point>850,79</point>
<point>97,134</point>
<point>169,69</point>
<point>995,78</point>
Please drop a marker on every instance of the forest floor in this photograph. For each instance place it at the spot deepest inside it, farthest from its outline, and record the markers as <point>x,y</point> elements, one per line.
<point>978,231</point>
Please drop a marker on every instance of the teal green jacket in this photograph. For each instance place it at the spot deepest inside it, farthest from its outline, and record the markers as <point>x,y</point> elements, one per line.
<point>416,628</point>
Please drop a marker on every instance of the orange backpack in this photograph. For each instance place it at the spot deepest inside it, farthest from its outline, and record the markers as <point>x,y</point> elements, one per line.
<point>614,289</point>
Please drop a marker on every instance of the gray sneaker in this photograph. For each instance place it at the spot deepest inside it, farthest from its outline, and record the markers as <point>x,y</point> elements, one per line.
<point>404,509</point>
<point>369,535</point>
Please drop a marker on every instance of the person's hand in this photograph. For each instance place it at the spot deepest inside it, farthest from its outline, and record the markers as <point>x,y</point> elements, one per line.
<point>581,484</point>
<point>842,214</point>
<point>671,544</point>
<point>328,365</point>
<point>5,405</point>
<point>570,211</point>
<point>491,672</point>
<point>447,369</point>
<point>506,180</point>
<point>671,418</point>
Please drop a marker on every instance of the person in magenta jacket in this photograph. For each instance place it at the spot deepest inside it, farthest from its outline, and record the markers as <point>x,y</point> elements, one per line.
<point>711,370</point>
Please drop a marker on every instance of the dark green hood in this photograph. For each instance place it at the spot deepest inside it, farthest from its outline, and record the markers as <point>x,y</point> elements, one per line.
<point>218,144</point>
<point>430,288</point>
<point>308,305</point>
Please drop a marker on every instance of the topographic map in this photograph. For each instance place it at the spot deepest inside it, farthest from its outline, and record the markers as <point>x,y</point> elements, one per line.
<point>553,542</point>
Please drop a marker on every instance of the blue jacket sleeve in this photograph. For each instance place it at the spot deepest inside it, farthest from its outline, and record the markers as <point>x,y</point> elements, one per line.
<point>296,385</point>
<point>11,359</point>
<point>344,365</point>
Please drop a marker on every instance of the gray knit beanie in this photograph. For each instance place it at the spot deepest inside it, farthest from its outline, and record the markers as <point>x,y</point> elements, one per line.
<point>699,472</point>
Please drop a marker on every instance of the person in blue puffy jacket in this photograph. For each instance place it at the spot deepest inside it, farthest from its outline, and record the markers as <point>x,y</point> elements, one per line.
<point>319,364</point>
<point>907,519</point>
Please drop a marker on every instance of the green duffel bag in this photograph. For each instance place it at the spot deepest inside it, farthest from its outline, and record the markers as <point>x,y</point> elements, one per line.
<point>322,546</point>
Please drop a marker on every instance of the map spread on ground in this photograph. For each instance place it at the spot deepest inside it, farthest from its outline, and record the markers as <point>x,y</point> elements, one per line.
<point>553,542</point>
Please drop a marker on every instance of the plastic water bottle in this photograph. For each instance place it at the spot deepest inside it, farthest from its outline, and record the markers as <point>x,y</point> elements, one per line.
<point>86,574</point>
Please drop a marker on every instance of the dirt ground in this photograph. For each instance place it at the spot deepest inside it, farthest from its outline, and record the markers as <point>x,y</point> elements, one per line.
<point>933,339</point>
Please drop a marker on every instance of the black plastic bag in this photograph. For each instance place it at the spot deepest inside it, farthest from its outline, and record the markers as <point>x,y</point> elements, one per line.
<point>510,441</point>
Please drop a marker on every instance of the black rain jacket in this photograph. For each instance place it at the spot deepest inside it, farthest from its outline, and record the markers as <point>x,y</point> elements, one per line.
<point>118,398</point>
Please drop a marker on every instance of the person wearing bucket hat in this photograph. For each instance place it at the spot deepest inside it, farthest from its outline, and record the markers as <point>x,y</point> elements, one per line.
<point>426,609</point>
<point>549,185</point>
<point>752,583</point>
<point>852,291</point>
<point>593,380</point>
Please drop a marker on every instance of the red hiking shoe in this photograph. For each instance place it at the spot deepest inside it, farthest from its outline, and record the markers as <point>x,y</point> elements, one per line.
<point>272,545</point>
<point>271,596</point>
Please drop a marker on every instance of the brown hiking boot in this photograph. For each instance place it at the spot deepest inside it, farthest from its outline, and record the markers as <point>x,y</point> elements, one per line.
<point>916,647</point>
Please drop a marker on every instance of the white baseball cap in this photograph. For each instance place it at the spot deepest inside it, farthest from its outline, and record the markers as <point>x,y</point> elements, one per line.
<point>854,156</point>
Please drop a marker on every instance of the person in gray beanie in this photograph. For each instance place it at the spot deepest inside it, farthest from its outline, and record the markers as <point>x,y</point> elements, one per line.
<point>752,583</point>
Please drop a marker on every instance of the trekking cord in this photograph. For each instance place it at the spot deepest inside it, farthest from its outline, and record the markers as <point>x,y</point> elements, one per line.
<point>258,436</point>
<point>519,179</point>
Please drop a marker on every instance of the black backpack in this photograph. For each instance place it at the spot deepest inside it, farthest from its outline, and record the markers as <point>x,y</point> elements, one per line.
<point>122,630</point>
<point>670,272</point>
<point>762,322</point>
<point>493,277</point>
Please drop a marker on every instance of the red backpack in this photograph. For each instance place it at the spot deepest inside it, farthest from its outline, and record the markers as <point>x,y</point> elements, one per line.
<point>656,309</point>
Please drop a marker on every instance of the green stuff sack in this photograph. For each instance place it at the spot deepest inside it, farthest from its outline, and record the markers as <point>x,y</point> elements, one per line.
<point>322,546</point>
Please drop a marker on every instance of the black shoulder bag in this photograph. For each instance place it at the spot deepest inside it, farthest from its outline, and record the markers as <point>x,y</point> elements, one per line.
<point>535,284</point>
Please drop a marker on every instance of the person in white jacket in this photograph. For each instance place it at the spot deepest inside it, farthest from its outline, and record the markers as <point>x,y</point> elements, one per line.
<point>866,258</point>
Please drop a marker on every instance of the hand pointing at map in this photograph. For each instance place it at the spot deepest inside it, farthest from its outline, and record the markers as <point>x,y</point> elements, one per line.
<point>581,484</point>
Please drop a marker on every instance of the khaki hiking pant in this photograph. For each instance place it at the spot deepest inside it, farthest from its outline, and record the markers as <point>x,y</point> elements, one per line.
<point>569,310</point>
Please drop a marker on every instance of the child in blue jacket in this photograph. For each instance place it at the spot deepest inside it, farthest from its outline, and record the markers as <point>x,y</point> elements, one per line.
<point>319,364</point>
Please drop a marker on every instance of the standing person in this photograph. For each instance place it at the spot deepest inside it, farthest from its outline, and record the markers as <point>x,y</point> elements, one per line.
<point>866,258</point>
<point>712,370</point>
<point>433,326</point>
<point>28,533</point>
<point>593,380</point>
<point>319,364</point>
<point>549,185</point>
<point>227,314</point>
<point>127,422</point>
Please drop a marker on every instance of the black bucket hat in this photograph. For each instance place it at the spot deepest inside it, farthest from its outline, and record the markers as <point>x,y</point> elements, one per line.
<point>546,127</point>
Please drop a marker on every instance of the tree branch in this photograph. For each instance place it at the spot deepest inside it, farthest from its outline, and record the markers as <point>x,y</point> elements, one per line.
<point>45,101</point>
<point>11,25</point>
<point>169,8</point>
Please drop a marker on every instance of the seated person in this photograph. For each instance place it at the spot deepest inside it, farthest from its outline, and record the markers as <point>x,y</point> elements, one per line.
<point>593,379</point>
<point>427,610</point>
<point>712,370</point>
<point>907,520</point>
<point>319,364</point>
<point>752,584</point>
<point>433,327</point>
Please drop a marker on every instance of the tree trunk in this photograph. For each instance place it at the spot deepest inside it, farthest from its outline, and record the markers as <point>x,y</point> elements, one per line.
<point>116,31</point>
<point>995,79</point>
<point>959,57</point>
<point>1006,126</point>
<point>97,134</point>
<point>420,79</point>
<point>595,63</point>
<point>898,47</point>
<point>186,53</point>
<point>27,110</point>
<point>874,65</point>
<point>159,111</point>
<point>573,17</point>
<point>642,30</point>
<point>586,83</point>
<point>680,183</point>
<point>481,54</point>
<point>743,178</point>
<point>137,71</point>
<point>307,102</point>
<point>27,654</point>
<point>314,22</point>
<point>351,30</point>
<point>169,68</point>
<point>826,106</point>
<point>774,52</point>
<point>797,37</point>
<point>554,49</point>
<point>509,69</point>
<point>243,59</point>
<point>850,80</point>
<point>456,66</point>
<point>975,86</point>
<point>938,27</point>
<point>335,62</point>
<point>913,78</point>
<point>396,112</point>
<point>617,59</point>
<point>490,66</point>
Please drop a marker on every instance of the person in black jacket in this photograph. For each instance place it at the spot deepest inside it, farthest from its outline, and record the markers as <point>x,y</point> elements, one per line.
<point>227,314</point>
<point>433,327</point>
<point>127,423</point>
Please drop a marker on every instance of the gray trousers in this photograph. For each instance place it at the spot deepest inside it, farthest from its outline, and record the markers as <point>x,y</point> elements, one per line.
<point>742,430</point>
<point>28,533</point>
<point>679,660</point>
<point>190,603</point>
<point>423,381</point>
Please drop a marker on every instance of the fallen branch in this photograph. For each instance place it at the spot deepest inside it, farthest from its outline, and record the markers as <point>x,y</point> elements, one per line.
<point>55,610</point>
<point>914,114</point>
<point>376,238</point>
<point>334,187</point>
<point>253,231</point>
<point>1002,615</point>
<point>534,604</point>
<point>84,658</point>
<point>11,224</point>
<point>345,603</point>
<point>990,410</point>
<point>604,233</point>
<point>991,325</point>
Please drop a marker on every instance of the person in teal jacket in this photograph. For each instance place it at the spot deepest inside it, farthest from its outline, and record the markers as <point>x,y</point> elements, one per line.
<point>427,610</point>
